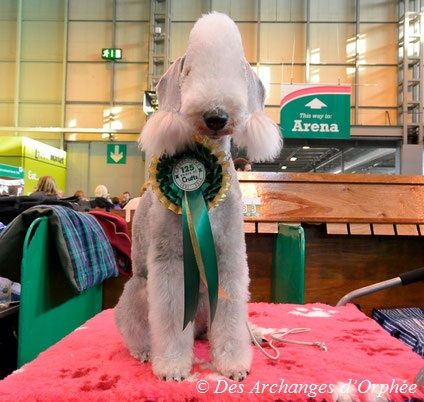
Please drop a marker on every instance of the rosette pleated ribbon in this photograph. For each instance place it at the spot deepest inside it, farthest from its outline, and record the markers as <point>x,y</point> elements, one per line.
<point>189,184</point>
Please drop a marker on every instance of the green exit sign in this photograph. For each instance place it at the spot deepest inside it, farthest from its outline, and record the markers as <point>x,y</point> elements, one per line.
<point>111,54</point>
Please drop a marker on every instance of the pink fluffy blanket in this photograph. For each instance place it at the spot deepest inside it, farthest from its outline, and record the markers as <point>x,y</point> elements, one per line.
<point>362,363</point>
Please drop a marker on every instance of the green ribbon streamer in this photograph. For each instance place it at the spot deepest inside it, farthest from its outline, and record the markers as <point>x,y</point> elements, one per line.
<point>200,262</point>
<point>199,255</point>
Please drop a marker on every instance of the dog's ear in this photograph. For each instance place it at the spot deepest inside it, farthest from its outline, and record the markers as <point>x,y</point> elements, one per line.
<point>168,88</point>
<point>261,136</point>
<point>167,131</point>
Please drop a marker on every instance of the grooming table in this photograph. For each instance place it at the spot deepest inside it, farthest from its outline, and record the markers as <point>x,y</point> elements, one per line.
<point>92,364</point>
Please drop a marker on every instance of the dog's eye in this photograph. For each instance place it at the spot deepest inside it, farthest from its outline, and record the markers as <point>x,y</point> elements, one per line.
<point>186,72</point>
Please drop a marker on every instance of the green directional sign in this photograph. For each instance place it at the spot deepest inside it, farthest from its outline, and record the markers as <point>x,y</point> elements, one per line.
<point>315,111</point>
<point>12,172</point>
<point>116,154</point>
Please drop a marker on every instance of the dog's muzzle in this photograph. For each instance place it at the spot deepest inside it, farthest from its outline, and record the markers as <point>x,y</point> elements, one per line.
<point>215,119</point>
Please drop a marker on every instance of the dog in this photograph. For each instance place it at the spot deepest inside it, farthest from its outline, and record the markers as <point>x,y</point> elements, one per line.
<point>211,91</point>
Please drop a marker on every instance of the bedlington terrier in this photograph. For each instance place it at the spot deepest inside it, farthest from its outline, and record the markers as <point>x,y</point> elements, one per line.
<point>212,90</point>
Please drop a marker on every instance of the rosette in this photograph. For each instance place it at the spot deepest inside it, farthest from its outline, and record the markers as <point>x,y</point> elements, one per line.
<point>189,183</point>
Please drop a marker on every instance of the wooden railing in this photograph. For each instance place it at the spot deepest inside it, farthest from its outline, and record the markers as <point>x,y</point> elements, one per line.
<point>359,229</point>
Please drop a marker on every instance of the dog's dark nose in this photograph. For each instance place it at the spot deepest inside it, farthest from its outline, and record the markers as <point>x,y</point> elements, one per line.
<point>215,119</point>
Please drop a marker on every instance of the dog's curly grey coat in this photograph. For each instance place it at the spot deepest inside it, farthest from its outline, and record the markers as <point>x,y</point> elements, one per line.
<point>212,78</point>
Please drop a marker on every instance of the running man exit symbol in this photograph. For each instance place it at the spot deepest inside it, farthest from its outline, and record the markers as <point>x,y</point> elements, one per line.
<point>116,154</point>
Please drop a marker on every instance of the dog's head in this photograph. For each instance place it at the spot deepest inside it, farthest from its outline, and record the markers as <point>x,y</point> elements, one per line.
<point>212,91</point>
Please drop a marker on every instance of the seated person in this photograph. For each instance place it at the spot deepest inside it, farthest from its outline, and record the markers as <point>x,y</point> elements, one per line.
<point>46,186</point>
<point>102,199</point>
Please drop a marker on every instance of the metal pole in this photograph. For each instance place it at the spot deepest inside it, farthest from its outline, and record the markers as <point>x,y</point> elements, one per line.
<point>18,64</point>
<point>112,81</point>
<point>356,80</point>
<point>421,78</point>
<point>64,70</point>
<point>308,47</point>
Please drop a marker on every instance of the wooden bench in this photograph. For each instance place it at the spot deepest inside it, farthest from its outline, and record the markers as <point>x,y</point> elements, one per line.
<point>359,229</point>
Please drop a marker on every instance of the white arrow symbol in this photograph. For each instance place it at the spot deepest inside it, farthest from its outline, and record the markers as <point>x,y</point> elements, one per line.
<point>316,104</point>
<point>116,155</point>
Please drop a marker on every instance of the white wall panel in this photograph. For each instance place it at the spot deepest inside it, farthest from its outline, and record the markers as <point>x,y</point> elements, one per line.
<point>77,157</point>
<point>293,74</point>
<point>8,9</point>
<point>43,9</point>
<point>130,82</point>
<point>42,40</point>
<point>86,40</point>
<point>132,117</point>
<point>333,75</point>
<point>7,114</point>
<point>330,43</point>
<point>283,10</point>
<point>133,38</point>
<point>332,10</point>
<point>41,82</point>
<point>238,10</point>
<point>378,10</point>
<point>36,115</point>
<point>7,81</point>
<point>179,38</point>
<point>90,10</point>
<point>379,117</point>
<point>377,86</point>
<point>248,33</point>
<point>85,116</point>
<point>278,41</point>
<point>131,10</point>
<point>378,43</point>
<point>8,40</point>
<point>88,82</point>
<point>188,10</point>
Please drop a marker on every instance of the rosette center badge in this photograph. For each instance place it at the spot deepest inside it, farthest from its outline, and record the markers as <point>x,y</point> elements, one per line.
<point>188,174</point>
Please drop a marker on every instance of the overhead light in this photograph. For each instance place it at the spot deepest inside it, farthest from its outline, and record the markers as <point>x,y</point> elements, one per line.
<point>293,158</point>
<point>306,147</point>
<point>284,167</point>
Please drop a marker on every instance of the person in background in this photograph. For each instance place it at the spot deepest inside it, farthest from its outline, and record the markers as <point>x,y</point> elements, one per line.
<point>102,198</point>
<point>83,202</point>
<point>46,186</point>
<point>242,165</point>
<point>133,202</point>
<point>125,197</point>
<point>116,203</point>
<point>80,196</point>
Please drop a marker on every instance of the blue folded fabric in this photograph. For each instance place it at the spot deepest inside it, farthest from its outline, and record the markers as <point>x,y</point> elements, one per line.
<point>83,250</point>
<point>89,249</point>
<point>406,324</point>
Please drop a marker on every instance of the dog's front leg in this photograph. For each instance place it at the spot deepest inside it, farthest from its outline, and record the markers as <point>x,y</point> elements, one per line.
<point>231,350</point>
<point>172,348</point>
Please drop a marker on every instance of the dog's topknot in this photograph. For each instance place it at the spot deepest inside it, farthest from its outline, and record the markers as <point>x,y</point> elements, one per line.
<point>213,75</point>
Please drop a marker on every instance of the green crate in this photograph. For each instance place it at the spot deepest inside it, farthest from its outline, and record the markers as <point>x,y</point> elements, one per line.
<point>49,308</point>
<point>288,270</point>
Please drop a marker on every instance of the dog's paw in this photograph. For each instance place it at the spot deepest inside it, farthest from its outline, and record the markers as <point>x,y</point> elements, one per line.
<point>143,356</point>
<point>171,370</point>
<point>237,375</point>
<point>175,374</point>
<point>235,366</point>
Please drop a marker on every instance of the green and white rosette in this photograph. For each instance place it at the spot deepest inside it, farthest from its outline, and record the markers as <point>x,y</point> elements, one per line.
<point>190,183</point>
